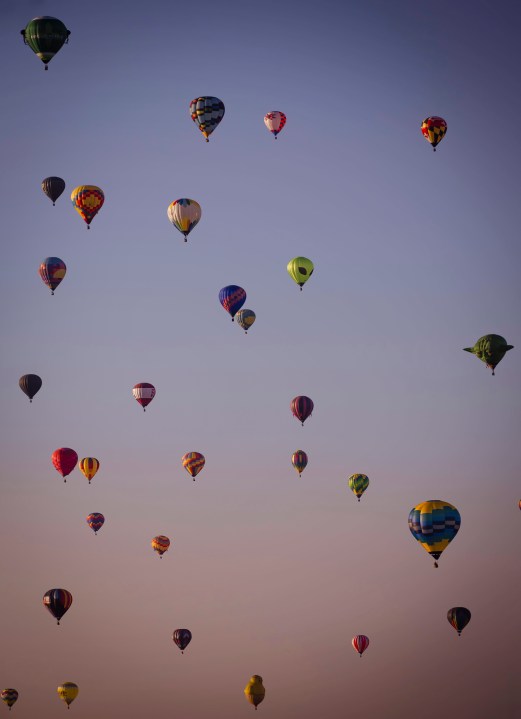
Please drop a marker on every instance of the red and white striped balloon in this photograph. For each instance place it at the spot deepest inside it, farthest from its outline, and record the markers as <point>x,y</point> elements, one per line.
<point>144,393</point>
<point>360,643</point>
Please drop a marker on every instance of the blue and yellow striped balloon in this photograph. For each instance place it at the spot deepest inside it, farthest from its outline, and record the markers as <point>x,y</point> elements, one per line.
<point>434,524</point>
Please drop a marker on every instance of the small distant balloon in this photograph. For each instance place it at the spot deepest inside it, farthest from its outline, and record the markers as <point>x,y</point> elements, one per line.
<point>490,349</point>
<point>184,214</point>
<point>360,643</point>
<point>89,466</point>
<point>30,384</point>
<point>300,270</point>
<point>299,460</point>
<point>160,544</point>
<point>95,520</point>
<point>245,319</point>
<point>64,460</point>
<point>193,462</point>
<point>45,36</point>
<point>57,602</point>
<point>68,691</point>
<point>434,524</point>
<point>358,483</point>
<point>87,200</point>
<point>207,112</point>
<point>52,271</point>
<point>255,690</point>
<point>275,121</point>
<point>232,298</point>
<point>434,129</point>
<point>53,188</point>
<point>9,696</point>
<point>144,393</point>
<point>182,638</point>
<point>302,407</point>
<point>459,617</point>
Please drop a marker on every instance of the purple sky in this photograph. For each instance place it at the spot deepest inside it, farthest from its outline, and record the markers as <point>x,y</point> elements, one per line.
<point>416,256</point>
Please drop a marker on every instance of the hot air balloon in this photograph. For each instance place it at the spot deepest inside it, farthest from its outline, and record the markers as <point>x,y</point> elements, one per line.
<point>53,188</point>
<point>360,643</point>
<point>57,601</point>
<point>459,617</point>
<point>30,384</point>
<point>9,696</point>
<point>160,544</point>
<point>275,121</point>
<point>193,462</point>
<point>434,524</point>
<point>299,460</point>
<point>144,393</point>
<point>64,460</point>
<point>89,466</point>
<point>358,483</point>
<point>45,36</point>
<point>232,298</point>
<point>490,349</point>
<point>184,214</point>
<point>434,129</point>
<point>245,319</point>
<point>255,691</point>
<point>52,271</point>
<point>95,520</point>
<point>300,270</point>
<point>87,200</point>
<point>207,113</point>
<point>302,407</point>
<point>68,692</point>
<point>182,637</point>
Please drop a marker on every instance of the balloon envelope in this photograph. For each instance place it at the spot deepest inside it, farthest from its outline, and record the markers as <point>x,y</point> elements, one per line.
<point>95,520</point>
<point>89,466</point>
<point>9,696</point>
<point>245,319</point>
<point>299,460</point>
<point>57,601</point>
<point>275,121</point>
<point>434,524</point>
<point>207,112</point>
<point>300,270</point>
<point>459,617</point>
<point>64,460</point>
<point>302,407</point>
<point>160,544</point>
<point>87,200</point>
<point>232,298</point>
<point>255,690</point>
<point>193,462</point>
<point>53,187</point>
<point>358,483</point>
<point>30,384</point>
<point>182,638</point>
<point>360,643</point>
<point>52,271</point>
<point>184,214</point>
<point>490,349</point>
<point>434,129</point>
<point>68,691</point>
<point>45,36</point>
<point>144,393</point>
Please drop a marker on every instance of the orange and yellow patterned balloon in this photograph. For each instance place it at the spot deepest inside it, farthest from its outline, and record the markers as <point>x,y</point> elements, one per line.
<point>87,200</point>
<point>89,466</point>
<point>160,544</point>
<point>193,462</point>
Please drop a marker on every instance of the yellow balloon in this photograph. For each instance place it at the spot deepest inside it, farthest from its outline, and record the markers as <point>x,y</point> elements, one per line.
<point>255,691</point>
<point>68,692</point>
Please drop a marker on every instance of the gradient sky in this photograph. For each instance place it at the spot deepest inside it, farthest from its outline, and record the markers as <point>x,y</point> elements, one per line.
<point>416,256</point>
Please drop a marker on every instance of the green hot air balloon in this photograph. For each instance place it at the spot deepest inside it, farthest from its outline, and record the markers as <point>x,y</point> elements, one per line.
<point>358,483</point>
<point>300,270</point>
<point>490,349</point>
<point>45,36</point>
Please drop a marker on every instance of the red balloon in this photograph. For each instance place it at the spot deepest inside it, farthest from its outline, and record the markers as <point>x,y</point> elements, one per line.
<point>302,407</point>
<point>64,460</point>
<point>360,643</point>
